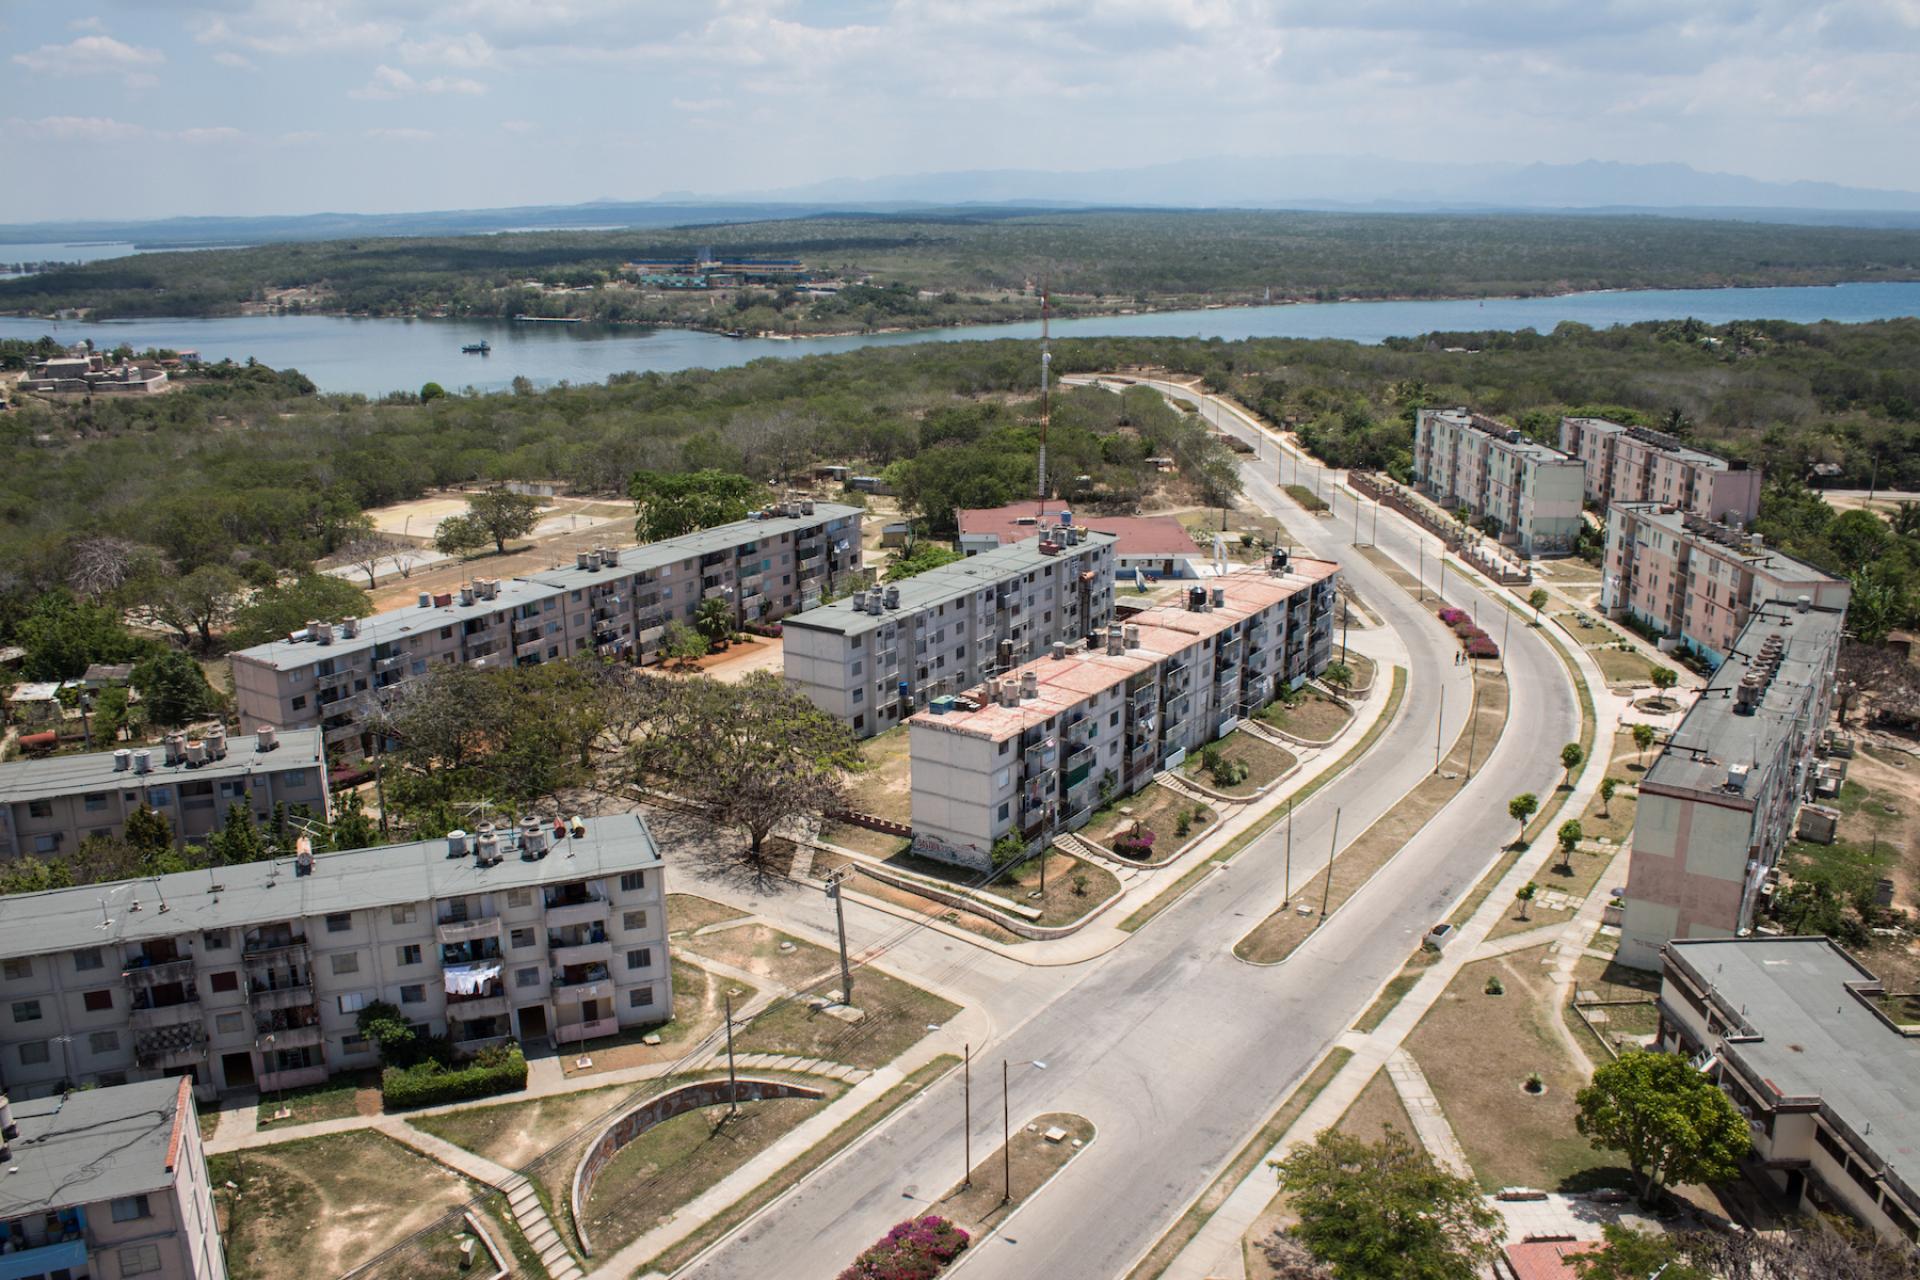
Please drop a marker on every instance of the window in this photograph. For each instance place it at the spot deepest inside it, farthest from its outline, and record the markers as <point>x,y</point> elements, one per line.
<point>413,993</point>
<point>1003,813</point>
<point>526,977</point>
<point>639,997</point>
<point>633,882</point>
<point>139,1259</point>
<point>95,801</point>
<point>104,1042</point>
<point>346,962</point>
<point>225,980</point>
<point>634,920</point>
<point>215,939</point>
<point>228,1024</point>
<point>404,914</point>
<point>409,954</point>
<point>519,898</point>
<point>97,1001</point>
<point>18,970</point>
<point>85,960</point>
<point>640,958</point>
<point>131,1209</point>
<point>26,1011</point>
<point>300,702</point>
<point>34,1053</point>
<point>340,922</point>
<point>519,938</point>
<point>354,1042</point>
<point>353,1002</point>
<point>39,808</point>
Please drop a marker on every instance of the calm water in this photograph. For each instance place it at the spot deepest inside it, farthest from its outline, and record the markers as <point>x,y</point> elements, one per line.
<point>377,356</point>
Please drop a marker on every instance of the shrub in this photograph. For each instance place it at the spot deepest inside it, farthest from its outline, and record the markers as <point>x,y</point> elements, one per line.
<point>427,1084</point>
<point>1182,825</point>
<point>1451,616</point>
<point>1483,648</point>
<point>917,1249</point>
<point>1137,843</point>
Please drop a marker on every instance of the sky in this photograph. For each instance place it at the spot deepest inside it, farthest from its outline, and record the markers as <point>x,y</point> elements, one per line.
<point>150,108</point>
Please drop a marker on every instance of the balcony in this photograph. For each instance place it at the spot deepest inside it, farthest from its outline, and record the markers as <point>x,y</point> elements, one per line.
<point>187,1010</point>
<point>272,999</point>
<point>138,976</point>
<point>574,1032</point>
<point>572,993</point>
<point>589,911</point>
<point>1079,765</point>
<point>63,1255</point>
<point>175,1046</point>
<point>278,951</point>
<point>290,1037</point>
<point>478,1043</point>
<point>586,952</point>
<point>474,1007</point>
<point>292,1078</point>
<point>453,931</point>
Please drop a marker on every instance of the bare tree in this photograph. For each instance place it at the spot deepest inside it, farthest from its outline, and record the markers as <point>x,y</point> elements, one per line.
<point>404,556</point>
<point>101,564</point>
<point>364,551</point>
<point>1817,1253</point>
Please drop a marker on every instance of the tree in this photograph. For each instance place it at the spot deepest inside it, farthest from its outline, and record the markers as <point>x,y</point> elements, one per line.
<point>924,556</point>
<point>714,621</point>
<point>669,505</point>
<point>390,1033</point>
<point>1643,736</point>
<point>1538,598</point>
<point>1635,1255</point>
<point>63,637</point>
<point>1858,538</point>
<point>1572,756</point>
<point>1906,519</point>
<point>238,841</point>
<point>1288,1259</point>
<point>99,565</point>
<point>1385,1211</point>
<point>1669,1120</point>
<point>1522,807</point>
<point>277,611</point>
<point>681,643</point>
<point>459,536</point>
<point>1571,833</point>
<point>366,549</point>
<point>1664,678</point>
<point>502,514</point>
<point>173,689</point>
<point>1675,422</point>
<point>1525,895</point>
<point>1607,787</point>
<point>1879,603</point>
<point>1339,675</point>
<point>193,604</point>
<point>112,711</point>
<point>431,391</point>
<point>148,831</point>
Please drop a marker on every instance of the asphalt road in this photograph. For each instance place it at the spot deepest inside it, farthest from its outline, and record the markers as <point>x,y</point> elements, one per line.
<point>1173,1048</point>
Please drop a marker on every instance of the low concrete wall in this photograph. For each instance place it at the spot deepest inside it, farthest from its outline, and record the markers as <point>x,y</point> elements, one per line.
<point>973,906</point>
<point>652,1112</point>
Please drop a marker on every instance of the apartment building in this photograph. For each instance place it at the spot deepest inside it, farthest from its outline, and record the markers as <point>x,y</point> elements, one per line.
<point>613,602</point>
<point>1025,755</point>
<point>1527,494</point>
<point>1156,546</point>
<point>49,806</point>
<point>1696,582</point>
<point>875,657</point>
<point>107,1184</point>
<point>1635,464</point>
<point>252,976</point>
<point>1717,806</point>
<point>1794,1032</point>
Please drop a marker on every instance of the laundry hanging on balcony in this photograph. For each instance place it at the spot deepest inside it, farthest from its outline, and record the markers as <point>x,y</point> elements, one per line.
<point>471,980</point>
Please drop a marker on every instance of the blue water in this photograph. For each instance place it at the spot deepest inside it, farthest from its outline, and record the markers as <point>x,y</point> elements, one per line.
<point>377,356</point>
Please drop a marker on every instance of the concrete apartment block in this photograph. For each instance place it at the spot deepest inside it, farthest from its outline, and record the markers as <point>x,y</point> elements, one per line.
<point>1792,1031</point>
<point>1155,546</point>
<point>1718,804</point>
<point>613,602</point>
<point>1634,464</point>
<point>1025,755</point>
<point>1528,494</point>
<point>874,657</point>
<point>1697,583</point>
<point>107,1184</point>
<point>49,806</point>
<point>253,975</point>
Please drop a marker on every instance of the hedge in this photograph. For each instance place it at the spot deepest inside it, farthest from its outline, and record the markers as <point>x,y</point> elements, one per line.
<point>429,1084</point>
<point>917,1249</point>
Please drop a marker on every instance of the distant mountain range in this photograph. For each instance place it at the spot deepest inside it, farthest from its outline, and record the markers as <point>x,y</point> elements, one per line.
<point>1345,183</point>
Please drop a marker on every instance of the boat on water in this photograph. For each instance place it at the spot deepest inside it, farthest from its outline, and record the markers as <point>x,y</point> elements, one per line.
<point>477,348</point>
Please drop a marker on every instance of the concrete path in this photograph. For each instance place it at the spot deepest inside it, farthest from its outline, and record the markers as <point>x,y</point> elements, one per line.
<point>1423,1109</point>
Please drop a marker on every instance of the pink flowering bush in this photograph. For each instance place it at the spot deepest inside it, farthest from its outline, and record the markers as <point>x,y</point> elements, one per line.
<point>917,1249</point>
<point>1451,616</point>
<point>1137,843</point>
<point>1482,647</point>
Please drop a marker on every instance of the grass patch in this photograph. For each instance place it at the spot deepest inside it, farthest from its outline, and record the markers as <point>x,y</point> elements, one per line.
<point>1623,666</point>
<point>1181,1234</point>
<point>1307,714</point>
<point>877,844</point>
<point>833,1144</point>
<point>885,787</point>
<point>337,1099</point>
<point>1377,1107</point>
<point>1073,886</point>
<point>688,912</point>
<point>1396,989</point>
<point>896,1016</point>
<point>1156,809</point>
<point>1306,497</point>
<point>209,1121</point>
<point>1593,632</point>
<point>678,1159</point>
<point>1264,763</point>
<point>1363,669</point>
<point>1274,939</point>
<point>981,1203</point>
<point>766,953</point>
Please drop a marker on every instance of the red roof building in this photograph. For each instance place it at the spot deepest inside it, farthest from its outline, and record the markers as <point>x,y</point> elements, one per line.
<point>1160,545</point>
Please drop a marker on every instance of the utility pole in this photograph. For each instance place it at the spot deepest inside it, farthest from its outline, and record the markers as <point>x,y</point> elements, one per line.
<point>1473,731</point>
<point>1423,567</point>
<point>1286,886</point>
<point>1006,1138</point>
<point>733,1080</point>
<point>1326,894</point>
<point>1438,721</point>
<point>840,922</point>
<point>966,1077</point>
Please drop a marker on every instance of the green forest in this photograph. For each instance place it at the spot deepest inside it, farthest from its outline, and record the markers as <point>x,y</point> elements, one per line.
<point>925,271</point>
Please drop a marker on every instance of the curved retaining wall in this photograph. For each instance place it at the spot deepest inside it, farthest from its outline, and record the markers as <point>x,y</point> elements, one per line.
<point>652,1112</point>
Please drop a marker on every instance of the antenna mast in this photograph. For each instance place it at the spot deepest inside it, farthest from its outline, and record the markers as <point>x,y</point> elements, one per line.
<point>1046,403</point>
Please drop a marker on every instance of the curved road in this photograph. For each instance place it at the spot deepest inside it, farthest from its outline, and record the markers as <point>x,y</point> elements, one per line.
<point>1173,1048</point>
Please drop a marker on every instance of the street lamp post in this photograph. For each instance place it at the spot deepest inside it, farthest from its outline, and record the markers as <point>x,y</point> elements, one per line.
<point>1006,1127</point>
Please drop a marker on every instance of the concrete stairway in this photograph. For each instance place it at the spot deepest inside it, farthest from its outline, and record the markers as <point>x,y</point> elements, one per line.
<point>539,1230</point>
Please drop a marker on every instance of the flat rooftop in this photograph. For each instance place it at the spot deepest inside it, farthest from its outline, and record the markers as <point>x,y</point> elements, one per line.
<point>83,774</point>
<point>1508,437</point>
<point>125,911</point>
<point>398,624</point>
<point>1165,630</point>
<point>1658,439</point>
<point>1713,736</point>
<point>1722,540</point>
<point>945,585</point>
<point>1133,535</point>
<point>1812,1038</point>
<point>94,1145</point>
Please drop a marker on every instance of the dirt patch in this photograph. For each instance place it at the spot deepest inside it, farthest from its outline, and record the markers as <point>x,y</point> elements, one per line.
<point>1265,763</point>
<point>1309,715</point>
<point>514,1133</point>
<point>1377,1107</point>
<point>977,1205</point>
<point>1156,809</point>
<point>885,789</point>
<point>1885,786</point>
<point>863,839</point>
<point>894,1016</point>
<point>698,1008</point>
<point>688,912</point>
<point>766,953</point>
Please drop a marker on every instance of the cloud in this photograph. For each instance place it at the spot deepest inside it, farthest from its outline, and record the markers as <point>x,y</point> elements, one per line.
<point>468,52</point>
<point>518,128</point>
<point>104,129</point>
<point>302,27</point>
<point>391,82</point>
<point>697,105</point>
<point>86,24</point>
<point>401,135</point>
<point>298,138</point>
<point>228,58</point>
<point>215,134</point>
<point>94,55</point>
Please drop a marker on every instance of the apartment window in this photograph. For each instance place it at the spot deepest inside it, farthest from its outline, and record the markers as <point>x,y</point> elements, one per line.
<point>20,970</point>
<point>340,922</point>
<point>228,1024</point>
<point>353,1042</point>
<point>633,882</point>
<point>100,1001</point>
<point>634,920</point>
<point>34,1053</point>
<point>26,1011</point>
<point>409,954</point>
<point>139,1259</point>
<point>413,993</point>
<point>519,898</point>
<point>104,1042</point>
<point>1006,746</point>
<point>345,963</point>
<point>404,914</point>
<point>353,1002</point>
<point>39,808</point>
<point>520,938</point>
<point>640,959</point>
<point>857,667</point>
<point>526,977</point>
<point>95,801</point>
<point>214,939</point>
<point>131,1209</point>
<point>84,961</point>
<point>298,777</point>
<point>639,997</point>
<point>1003,813</point>
<point>300,702</point>
<point>225,980</point>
